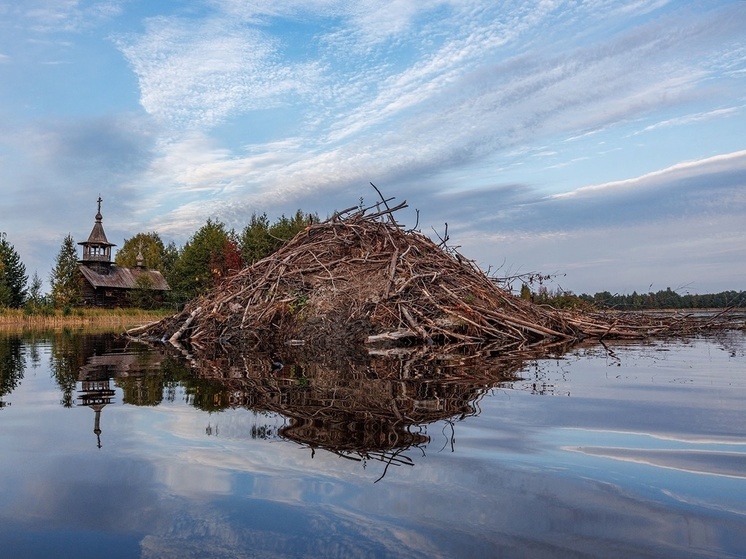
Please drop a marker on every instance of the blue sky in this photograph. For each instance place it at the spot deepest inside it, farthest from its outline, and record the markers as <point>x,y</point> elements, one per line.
<point>604,140</point>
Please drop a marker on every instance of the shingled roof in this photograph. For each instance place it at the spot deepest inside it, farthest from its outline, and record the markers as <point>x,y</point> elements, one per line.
<point>125,278</point>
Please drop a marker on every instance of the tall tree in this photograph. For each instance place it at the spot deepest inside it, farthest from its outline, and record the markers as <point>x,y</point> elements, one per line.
<point>169,258</point>
<point>68,355</point>
<point>12,276</point>
<point>36,300</point>
<point>149,245</point>
<point>65,279</point>
<point>256,242</point>
<point>260,239</point>
<point>226,262</point>
<point>195,272</point>
<point>143,296</point>
<point>285,228</point>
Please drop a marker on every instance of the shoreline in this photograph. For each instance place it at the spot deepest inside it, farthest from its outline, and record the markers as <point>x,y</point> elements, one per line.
<point>109,320</point>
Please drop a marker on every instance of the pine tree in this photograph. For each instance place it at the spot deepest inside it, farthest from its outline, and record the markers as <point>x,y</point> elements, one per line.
<point>256,242</point>
<point>260,239</point>
<point>12,276</point>
<point>64,277</point>
<point>525,292</point>
<point>197,270</point>
<point>36,300</point>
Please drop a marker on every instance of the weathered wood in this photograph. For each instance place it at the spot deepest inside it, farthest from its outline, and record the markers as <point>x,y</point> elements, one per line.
<point>177,335</point>
<point>359,278</point>
<point>391,336</point>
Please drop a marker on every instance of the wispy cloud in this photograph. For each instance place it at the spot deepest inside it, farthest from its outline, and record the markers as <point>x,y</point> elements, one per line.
<point>195,74</point>
<point>66,15</point>
<point>689,119</point>
<point>476,112</point>
<point>733,162</point>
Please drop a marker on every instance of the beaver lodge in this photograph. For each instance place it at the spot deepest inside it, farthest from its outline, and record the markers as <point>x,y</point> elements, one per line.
<point>361,279</point>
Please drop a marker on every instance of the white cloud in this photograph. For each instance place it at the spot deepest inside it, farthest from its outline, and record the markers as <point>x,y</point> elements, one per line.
<point>691,118</point>
<point>197,74</point>
<point>734,162</point>
<point>67,15</point>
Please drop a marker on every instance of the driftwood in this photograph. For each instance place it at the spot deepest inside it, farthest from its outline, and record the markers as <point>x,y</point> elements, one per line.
<point>359,279</point>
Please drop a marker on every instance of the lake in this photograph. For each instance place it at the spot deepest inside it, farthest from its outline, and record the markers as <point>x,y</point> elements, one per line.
<point>112,448</point>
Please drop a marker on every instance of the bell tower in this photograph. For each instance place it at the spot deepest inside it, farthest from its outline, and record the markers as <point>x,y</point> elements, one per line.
<point>97,249</point>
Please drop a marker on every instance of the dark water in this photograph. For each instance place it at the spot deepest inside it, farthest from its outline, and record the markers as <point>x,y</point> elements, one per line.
<point>110,449</point>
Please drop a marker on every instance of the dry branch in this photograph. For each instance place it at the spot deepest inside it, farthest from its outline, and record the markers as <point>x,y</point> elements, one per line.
<point>359,278</point>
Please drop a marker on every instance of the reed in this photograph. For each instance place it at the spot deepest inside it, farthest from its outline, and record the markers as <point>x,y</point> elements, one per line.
<point>110,319</point>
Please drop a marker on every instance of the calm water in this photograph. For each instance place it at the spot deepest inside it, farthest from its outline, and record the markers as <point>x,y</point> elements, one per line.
<point>113,450</point>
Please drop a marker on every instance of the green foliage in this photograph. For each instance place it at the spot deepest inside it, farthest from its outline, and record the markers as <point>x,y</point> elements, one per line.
<point>255,241</point>
<point>141,391</point>
<point>65,279</point>
<point>199,266</point>
<point>299,303</point>
<point>525,292</point>
<point>12,365</point>
<point>560,299</point>
<point>169,258</point>
<point>67,356</point>
<point>207,396</point>
<point>259,239</point>
<point>36,302</point>
<point>667,299</point>
<point>35,296</point>
<point>285,228</point>
<point>4,291</point>
<point>149,245</point>
<point>12,276</point>
<point>143,296</point>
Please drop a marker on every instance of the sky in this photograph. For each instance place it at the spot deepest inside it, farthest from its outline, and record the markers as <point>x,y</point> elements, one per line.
<point>599,141</point>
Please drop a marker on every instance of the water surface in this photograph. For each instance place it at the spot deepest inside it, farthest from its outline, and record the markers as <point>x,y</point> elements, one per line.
<point>113,449</point>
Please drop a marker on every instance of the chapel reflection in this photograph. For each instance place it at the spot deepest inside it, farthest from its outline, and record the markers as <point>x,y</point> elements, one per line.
<point>96,393</point>
<point>371,407</point>
<point>111,363</point>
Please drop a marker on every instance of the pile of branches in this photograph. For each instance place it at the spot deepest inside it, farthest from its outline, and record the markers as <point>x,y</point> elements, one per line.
<point>359,279</point>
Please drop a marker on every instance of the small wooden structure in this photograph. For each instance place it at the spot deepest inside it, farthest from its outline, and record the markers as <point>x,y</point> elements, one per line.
<point>104,284</point>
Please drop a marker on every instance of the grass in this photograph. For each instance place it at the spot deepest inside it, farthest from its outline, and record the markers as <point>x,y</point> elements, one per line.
<point>107,319</point>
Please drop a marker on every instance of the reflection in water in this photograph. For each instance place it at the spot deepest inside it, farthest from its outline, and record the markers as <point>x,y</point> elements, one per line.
<point>370,408</point>
<point>96,394</point>
<point>361,409</point>
<point>137,373</point>
<point>643,459</point>
<point>12,366</point>
<point>88,364</point>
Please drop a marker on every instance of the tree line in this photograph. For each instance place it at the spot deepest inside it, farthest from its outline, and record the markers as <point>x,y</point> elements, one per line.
<point>662,299</point>
<point>210,256</point>
<point>215,252</point>
<point>666,299</point>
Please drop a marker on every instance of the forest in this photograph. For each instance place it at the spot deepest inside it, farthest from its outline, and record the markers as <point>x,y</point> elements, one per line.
<point>215,253</point>
<point>662,299</point>
<point>666,299</point>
